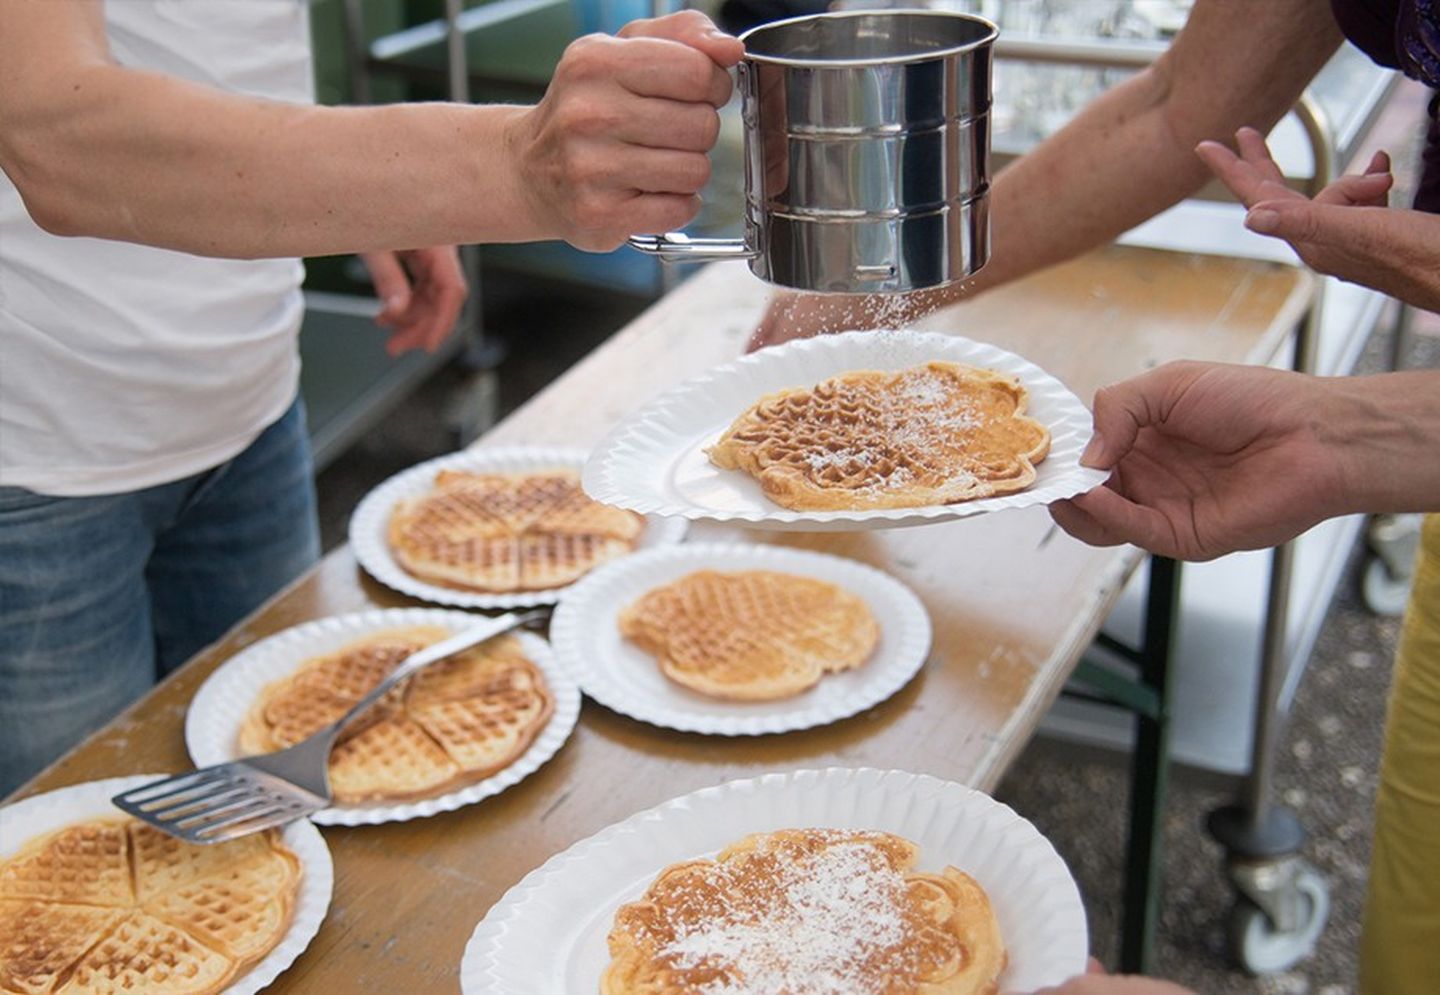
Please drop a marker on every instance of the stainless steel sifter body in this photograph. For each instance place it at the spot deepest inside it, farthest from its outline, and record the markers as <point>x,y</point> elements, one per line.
<point>867,147</point>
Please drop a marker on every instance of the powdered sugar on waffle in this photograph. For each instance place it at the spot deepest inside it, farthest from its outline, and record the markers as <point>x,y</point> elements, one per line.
<point>830,914</point>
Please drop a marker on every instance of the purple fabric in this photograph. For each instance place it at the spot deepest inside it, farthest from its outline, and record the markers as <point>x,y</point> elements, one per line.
<point>1404,35</point>
<point>1370,26</point>
<point>1417,40</point>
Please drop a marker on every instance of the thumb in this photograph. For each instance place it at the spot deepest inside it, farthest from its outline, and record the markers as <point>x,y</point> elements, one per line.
<point>1299,220</point>
<point>1118,416</point>
<point>392,285</point>
<point>1368,189</point>
<point>1357,229</point>
<point>1123,409</point>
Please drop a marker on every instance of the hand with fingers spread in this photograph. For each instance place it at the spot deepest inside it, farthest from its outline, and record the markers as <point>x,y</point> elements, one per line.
<point>617,146</point>
<point>1346,231</point>
<point>1208,458</point>
<point>421,293</point>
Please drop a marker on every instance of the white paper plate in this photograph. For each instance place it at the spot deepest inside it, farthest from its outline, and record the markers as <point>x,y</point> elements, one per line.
<point>654,461</point>
<point>586,636</point>
<point>370,522</point>
<point>218,710</point>
<point>41,814</point>
<point>547,934</point>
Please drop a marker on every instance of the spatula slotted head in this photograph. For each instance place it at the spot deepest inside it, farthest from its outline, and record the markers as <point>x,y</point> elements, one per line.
<point>219,803</point>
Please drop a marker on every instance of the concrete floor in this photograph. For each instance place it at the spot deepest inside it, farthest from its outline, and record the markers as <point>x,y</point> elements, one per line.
<point>1327,767</point>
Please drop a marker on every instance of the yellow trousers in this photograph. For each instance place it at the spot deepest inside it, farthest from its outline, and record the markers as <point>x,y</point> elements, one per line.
<point>1400,946</point>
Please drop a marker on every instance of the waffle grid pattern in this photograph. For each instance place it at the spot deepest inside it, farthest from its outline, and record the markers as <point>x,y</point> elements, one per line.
<point>937,433</point>
<point>751,634</point>
<point>190,919</point>
<point>456,722</point>
<point>507,532</point>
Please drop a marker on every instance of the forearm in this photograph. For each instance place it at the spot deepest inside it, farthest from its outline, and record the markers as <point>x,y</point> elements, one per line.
<point>1385,432</point>
<point>1130,154</point>
<point>142,157</point>
<point>1115,165</point>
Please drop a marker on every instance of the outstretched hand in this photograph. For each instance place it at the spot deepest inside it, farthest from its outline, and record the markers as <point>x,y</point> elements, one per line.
<point>1207,459</point>
<point>1346,231</point>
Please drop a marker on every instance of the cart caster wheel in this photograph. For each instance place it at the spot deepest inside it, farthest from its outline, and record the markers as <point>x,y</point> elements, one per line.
<point>1260,948</point>
<point>1382,593</point>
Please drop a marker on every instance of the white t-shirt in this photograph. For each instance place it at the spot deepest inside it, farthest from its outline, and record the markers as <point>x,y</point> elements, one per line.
<point>124,366</point>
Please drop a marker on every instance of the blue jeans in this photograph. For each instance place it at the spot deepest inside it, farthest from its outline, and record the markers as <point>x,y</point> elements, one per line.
<point>100,595</point>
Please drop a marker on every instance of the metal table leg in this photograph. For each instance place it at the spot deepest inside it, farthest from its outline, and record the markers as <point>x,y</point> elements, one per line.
<point>1145,692</point>
<point>1150,769</point>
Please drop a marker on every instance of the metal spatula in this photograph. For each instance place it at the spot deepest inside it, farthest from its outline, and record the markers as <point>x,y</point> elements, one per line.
<point>222,802</point>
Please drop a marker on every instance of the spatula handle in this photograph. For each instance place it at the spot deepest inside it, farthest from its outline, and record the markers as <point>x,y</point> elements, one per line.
<point>461,641</point>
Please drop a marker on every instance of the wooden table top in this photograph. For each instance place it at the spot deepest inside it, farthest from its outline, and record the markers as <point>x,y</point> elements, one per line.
<point>1014,603</point>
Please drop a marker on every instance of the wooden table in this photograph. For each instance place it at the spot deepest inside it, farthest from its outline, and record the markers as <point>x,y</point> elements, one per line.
<point>1014,603</point>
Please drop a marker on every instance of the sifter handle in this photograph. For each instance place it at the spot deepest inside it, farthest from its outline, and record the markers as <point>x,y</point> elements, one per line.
<point>678,247</point>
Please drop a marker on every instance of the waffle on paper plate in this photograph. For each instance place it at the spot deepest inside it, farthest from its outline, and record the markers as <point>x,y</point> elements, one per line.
<point>113,905</point>
<point>506,532</point>
<point>937,433</point>
<point>807,910</point>
<point>455,722</point>
<point>751,635</point>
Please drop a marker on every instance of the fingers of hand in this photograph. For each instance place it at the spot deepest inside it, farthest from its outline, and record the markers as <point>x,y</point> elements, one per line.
<point>1243,178</point>
<point>1122,409</point>
<point>1257,154</point>
<point>692,28</point>
<point>437,298</point>
<point>1118,412</point>
<point>601,182</point>
<point>647,67</point>
<point>668,124</point>
<point>447,291</point>
<point>391,283</point>
<point>1301,221</point>
<point>1105,517</point>
<point>641,212</point>
<point>1078,522</point>
<point>1359,189</point>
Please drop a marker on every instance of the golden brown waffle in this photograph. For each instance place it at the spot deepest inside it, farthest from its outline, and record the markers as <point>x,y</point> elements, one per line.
<point>751,635</point>
<point>147,954</point>
<point>455,722</point>
<point>87,863</point>
<point>40,941</point>
<point>932,434</point>
<point>507,531</point>
<point>805,912</point>
<point>196,918</point>
<point>163,863</point>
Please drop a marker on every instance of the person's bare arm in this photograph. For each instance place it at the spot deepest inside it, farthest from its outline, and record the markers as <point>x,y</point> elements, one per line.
<point>1128,155</point>
<point>1131,153</point>
<point>95,148</point>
